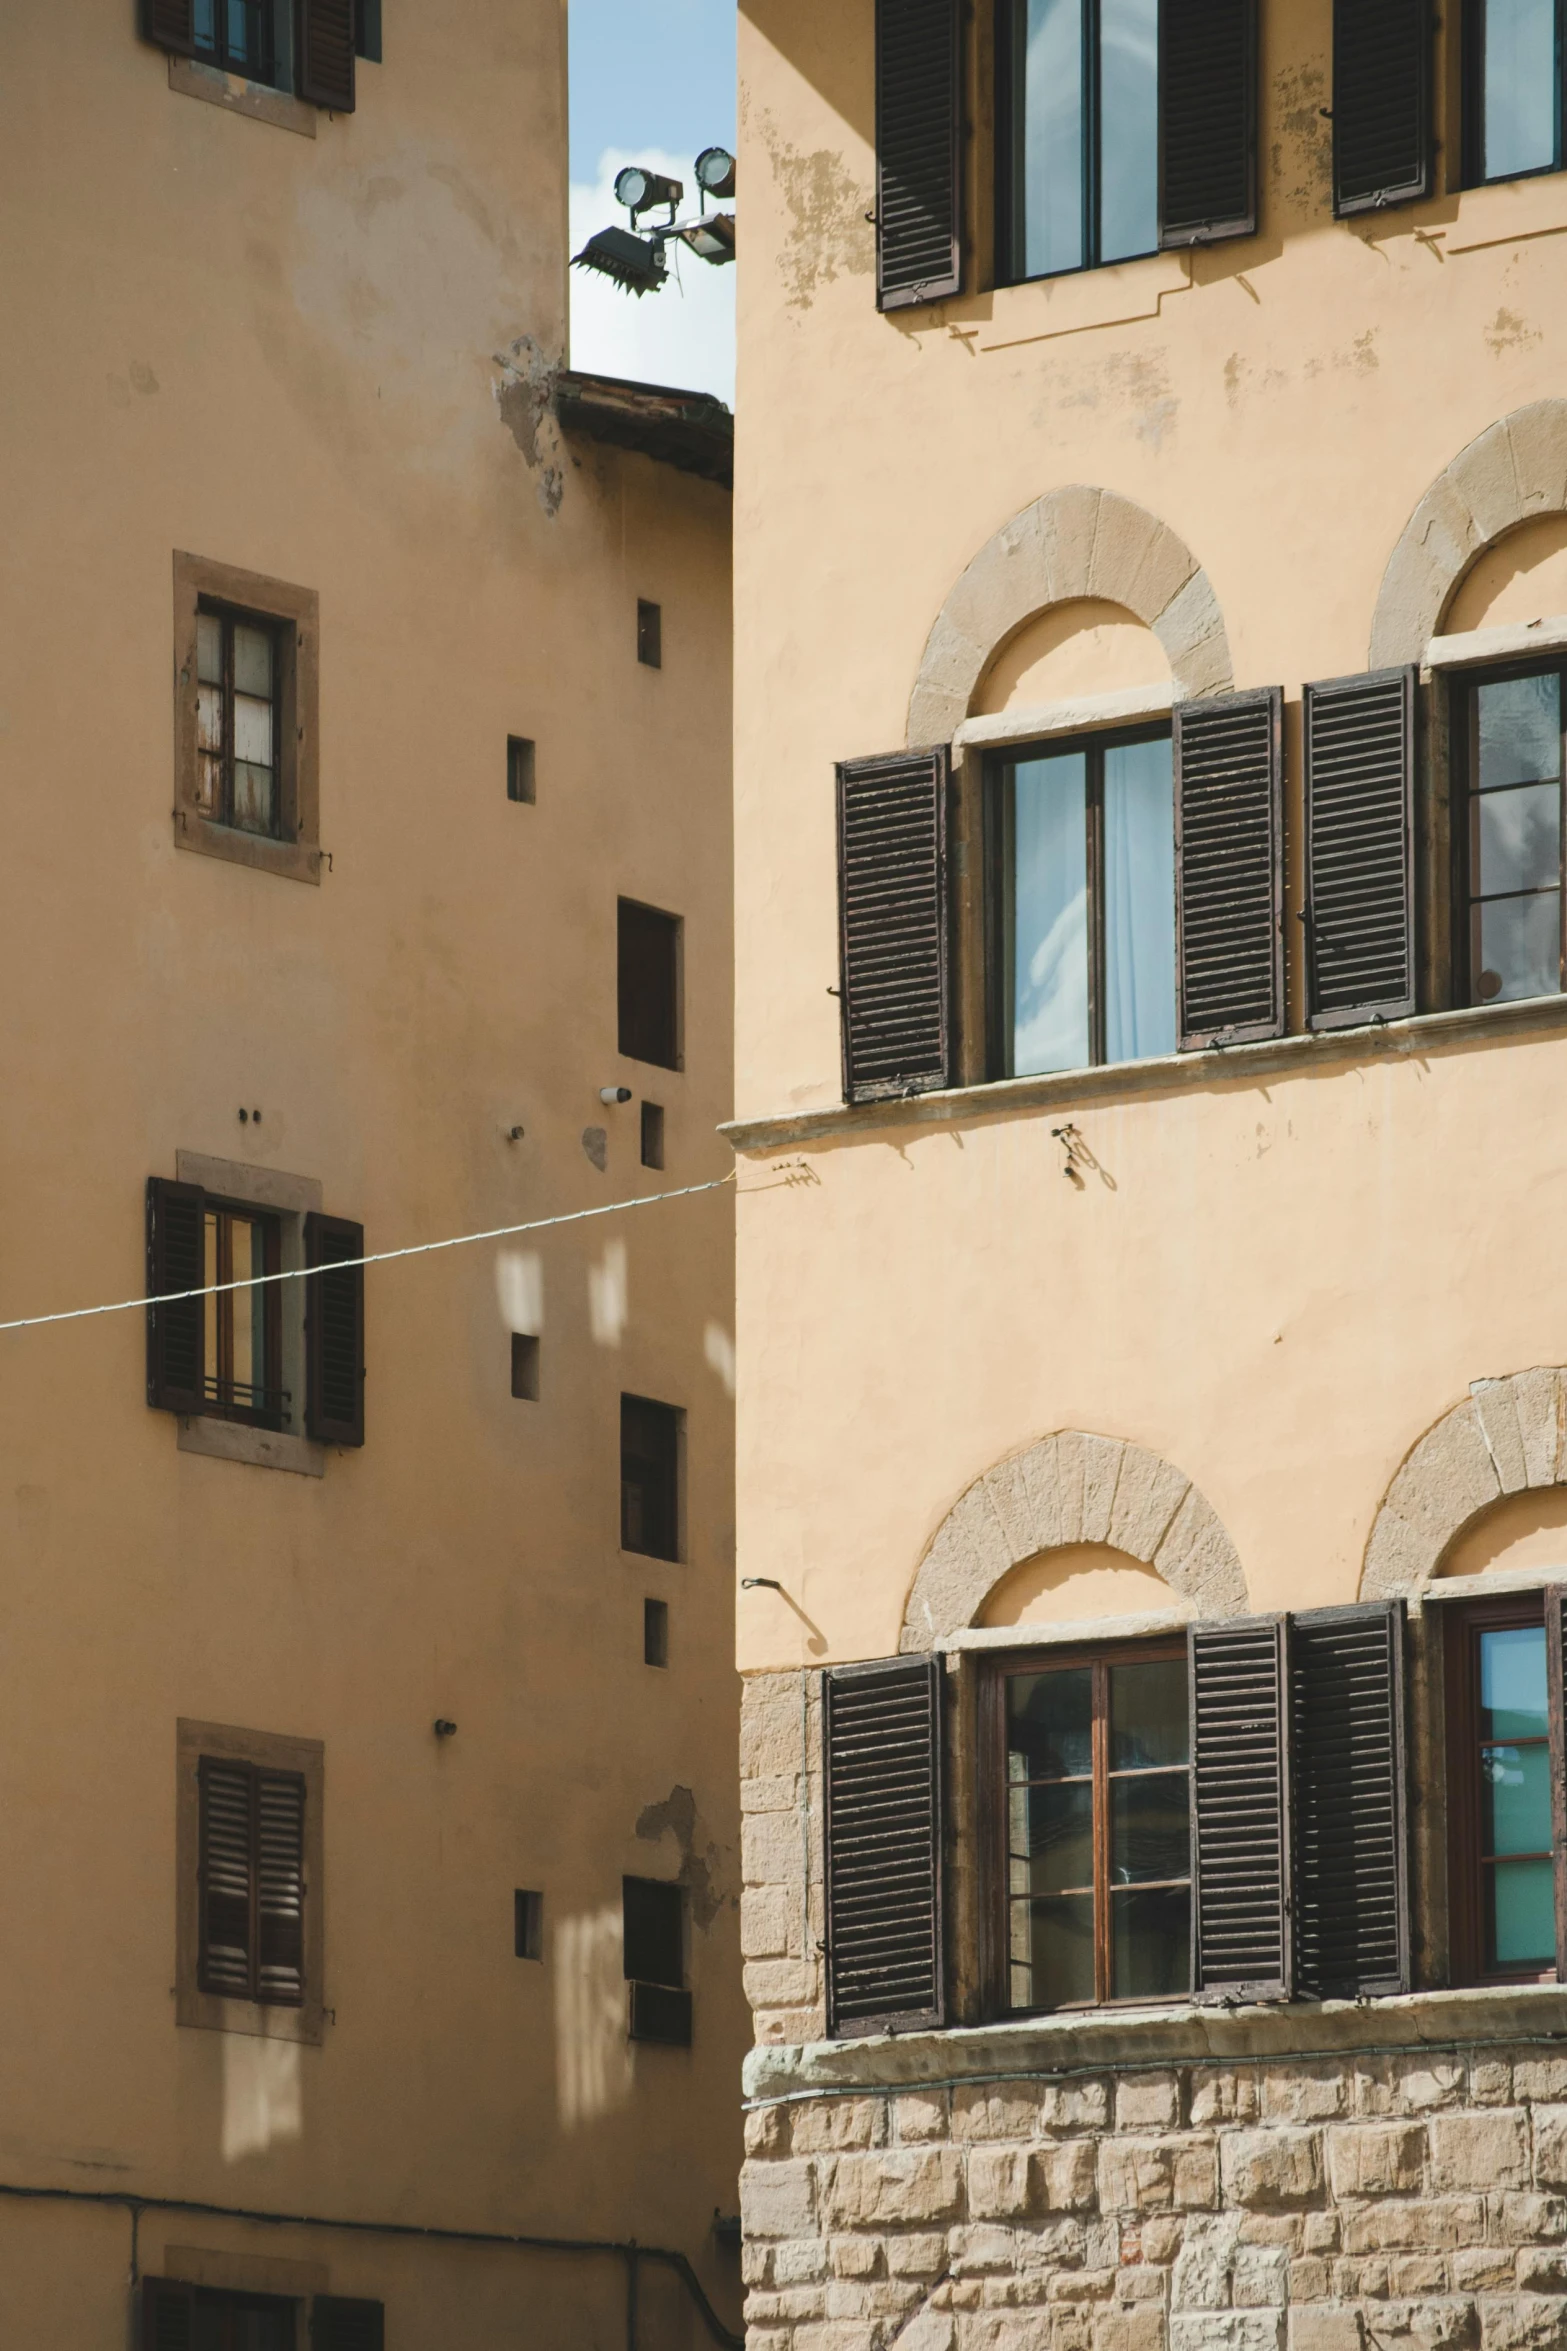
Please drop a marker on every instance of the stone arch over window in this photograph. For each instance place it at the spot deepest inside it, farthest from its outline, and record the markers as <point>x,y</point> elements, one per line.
<point>1072,1488</point>
<point>1505,1438</point>
<point>1514,472</point>
<point>1071,544</point>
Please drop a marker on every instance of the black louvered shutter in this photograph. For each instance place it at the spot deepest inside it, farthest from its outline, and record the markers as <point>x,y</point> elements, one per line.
<point>227,1878</point>
<point>1207,120</point>
<point>334,1331</point>
<point>168,2315</point>
<point>280,1888</point>
<point>326,53</point>
<point>1382,135</point>
<point>1360,802</point>
<point>338,2324</point>
<point>1240,1810</point>
<point>1555,1640</point>
<point>170,24</point>
<point>177,1328</point>
<point>892,913</point>
<point>1229,867</point>
<point>919,151</point>
<point>1349,1801</point>
<point>881,1729</point>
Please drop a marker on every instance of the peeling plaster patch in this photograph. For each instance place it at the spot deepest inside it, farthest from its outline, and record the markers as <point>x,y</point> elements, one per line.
<point>1506,332</point>
<point>595,1142</point>
<point>1301,158</point>
<point>1156,421</point>
<point>1235,370</point>
<point>699,1873</point>
<point>523,397</point>
<point>829,235</point>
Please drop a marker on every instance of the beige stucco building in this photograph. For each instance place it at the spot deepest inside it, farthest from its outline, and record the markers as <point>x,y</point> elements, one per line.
<point>369,1831</point>
<point>1153,507</point>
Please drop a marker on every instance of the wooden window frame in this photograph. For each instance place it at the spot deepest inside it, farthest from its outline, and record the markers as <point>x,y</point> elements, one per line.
<point>1461,1623</point>
<point>229,616</point>
<point>998,914</point>
<point>1472,100</point>
<point>1464,767</point>
<point>269,1302</point>
<point>993,1822</point>
<point>295,852</point>
<point>220,2012</point>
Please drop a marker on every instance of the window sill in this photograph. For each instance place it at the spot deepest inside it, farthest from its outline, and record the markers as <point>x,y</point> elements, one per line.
<point>210,2012</point>
<point>1427,1033</point>
<point>258,100</point>
<point>1091,2043</point>
<point>238,1440</point>
<point>295,861</point>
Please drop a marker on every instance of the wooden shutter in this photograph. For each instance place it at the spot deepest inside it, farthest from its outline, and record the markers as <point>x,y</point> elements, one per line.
<point>1555,1604</point>
<point>1382,134</point>
<point>1207,120</point>
<point>176,1261</point>
<point>892,907</point>
<point>1240,1810</point>
<point>367,30</point>
<point>227,1879</point>
<point>881,1728</point>
<point>1350,1801</point>
<point>168,2315</point>
<point>338,2324</point>
<point>170,24</point>
<point>919,151</point>
<point>326,53</point>
<point>1229,867</point>
<point>334,1331</point>
<point>280,1888</point>
<point>1360,799</point>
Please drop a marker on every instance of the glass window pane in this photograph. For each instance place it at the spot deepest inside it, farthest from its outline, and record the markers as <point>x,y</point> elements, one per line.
<point>206,24</point>
<point>1052,136</point>
<point>1520,86</point>
<point>209,649</point>
<point>1516,838</point>
<point>1052,1951</point>
<point>1139,893</point>
<point>1150,1944</point>
<point>1520,730</point>
<point>252,660</point>
<point>1148,1714</point>
<point>1149,1828</point>
<point>209,784</point>
<point>253,730</point>
<point>238,32</point>
<point>1128,130</point>
<point>246,1328</point>
<point>1520,1921</point>
<point>1050,1732</point>
<point>1515,1800</point>
<point>253,798</point>
<point>1052,1838</point>
<point>1050,914</point>
<point>1513,1702</point>
<point>1517,947</point>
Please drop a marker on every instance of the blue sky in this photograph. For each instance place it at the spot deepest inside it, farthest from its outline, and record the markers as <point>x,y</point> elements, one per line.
<point>652,81</point>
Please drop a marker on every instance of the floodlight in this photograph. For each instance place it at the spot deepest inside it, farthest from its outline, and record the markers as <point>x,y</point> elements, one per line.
<point>639,189</point>
<point>713,237</point>
<point>636,263</point>
<point>715,171</point>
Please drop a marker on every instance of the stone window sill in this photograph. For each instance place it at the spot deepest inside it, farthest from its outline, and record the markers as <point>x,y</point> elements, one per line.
<point>258,100</point>
<point>296,861</point>
<point>238,1440</point>
<point>1171,1073</point>
<point>1157,2037</point>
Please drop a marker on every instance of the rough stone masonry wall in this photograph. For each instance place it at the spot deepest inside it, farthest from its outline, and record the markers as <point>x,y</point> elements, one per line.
<point>1415,2202</point>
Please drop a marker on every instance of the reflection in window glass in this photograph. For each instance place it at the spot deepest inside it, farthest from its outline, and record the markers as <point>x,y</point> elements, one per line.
<point>1128,128</point>
<point>237,720</point>
<point>1139,901</point>
<point>1050,915</point>
<point>1517,1876</point>
<point>1521,81</point>
<point>1515,838</point>
<point>1052,137</point>
<point>1081,132</point>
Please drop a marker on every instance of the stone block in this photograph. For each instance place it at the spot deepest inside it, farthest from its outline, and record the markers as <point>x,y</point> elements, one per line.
<point>1447,1478</point>
<point>1493,1403</point>
<point>1101,1470</point>
<point>1490,2082</point>
<point>1201,2276</point>
<point>1148,1494</point>
<point>929,2330</point>
<point>1424,2085</point>
<point>1075,2106</point>
<point>802,2262</point>
<point>1137,2329</point>
<point>1274,2228</point>
<point>1310,2279</point>
<point>1140,2284</point>
<point>779,1983</point>
<point>1488,2150</point>
<point>1539,2078</point>
<point>899,2186</point>
<point>854,2257</point>
<point>1196,2174</point>
<point>1542,2270</point>
<point>1163,571</point>
<point>1191,630</point>
<point>1327,2327</point>
<point>1274,2167</point>
<point>1229,2330</point>
<point>1550,2144</point>
<point>949,670</point>
<point>969,1554</point>
<point>1482,2269</point>
<point>770,1922</point>
<point>920,2116</point>
<point>921,2256</point>
<point>770,1726</point>
<point>770,1852</point>
<point>777,2199</point>
<point>1136,2175</point>
<point>1148,2102</point>
<point>1000,2186</point>
<point>767,2130</point>
<point>1221,2093</point>
<point>1198,1558</point>
<point>1482,476</point>
<point>1070,521</point>
<point>999,2330</point>
<point>1012,1499</point>
<point>1164,2235</point>
<point>787,2307</point>
<point>828,2126</point>
<point>1398,1557</point>
<point>1528,2220</point>
<point>1523,2322</point>
<point>1539,447</point>
<point>1065,2177</point>
<point>872,2298</point>
<point>1418,2274</point>
<point>1376,2159</point>
<point>997,2110</point>
<point>973,2250</point>
<point>1122,537</point>
<point>1446,2325</point>
<point>1431,2225</point>
<point>1320,2232</point>
<point>1260,2278</point>
<point>778,1792</point>
<point>1304,2093</point>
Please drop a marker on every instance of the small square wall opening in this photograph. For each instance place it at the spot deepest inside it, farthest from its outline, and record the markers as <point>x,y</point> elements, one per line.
<point>525,1367</point>
<point>652,1134</point>
<point>519,767</point>
<point>655,1632</point>
<point>650,634</point>
<point>528,1924</point>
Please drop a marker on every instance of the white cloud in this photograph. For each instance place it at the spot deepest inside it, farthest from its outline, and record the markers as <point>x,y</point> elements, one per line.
<point>685,333</point>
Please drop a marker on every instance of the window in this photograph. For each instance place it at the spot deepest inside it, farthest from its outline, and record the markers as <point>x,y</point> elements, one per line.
<point>652,1134</point>
<point>248,1831</point>
<point>525,1367</point>
<point>1513,88</point>
<point>1079,118</point>
<point>519,768</point>
<point>650,1477</point>
<point>1502,1869</point>
<point>306,48</point>
<point>243,1378</point>
<point>648,983</point>
<point>528,1924</point>
<point>650,634</point>
<point>245,734</point>
<point>1082,891</point>
<point>180,2317</point>
<point>1511,736</point>
<point>653,1939</point>
<point>655,1632</point>
<point>238,36</point>
<point>1098,1803</point>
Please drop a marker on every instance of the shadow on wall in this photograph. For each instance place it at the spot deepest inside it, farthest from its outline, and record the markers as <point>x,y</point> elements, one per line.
<point>1522,578</point>
<point>1080,1580</point>
<point>263,2101</point>
<point>1525,1533</point>
<point>1088,646</point>
<point>593,2058</point>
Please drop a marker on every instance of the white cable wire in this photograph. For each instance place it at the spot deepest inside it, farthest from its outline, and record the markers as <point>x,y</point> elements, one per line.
<point>300,1273</point>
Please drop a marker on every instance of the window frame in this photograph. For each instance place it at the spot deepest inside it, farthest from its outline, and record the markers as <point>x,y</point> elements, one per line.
<point>1462,1623</point>
<point>1472,41</point>
<point>996,1895</point>
<point>637,923</point>
<point>998,911</point>
<point>674,1419</point>
<point>265,15</point>
<point>1463,753</point>
<point>294,850</point>
<point>1011,152</point>
<point>224,2012</point>
<point>270,1304</point>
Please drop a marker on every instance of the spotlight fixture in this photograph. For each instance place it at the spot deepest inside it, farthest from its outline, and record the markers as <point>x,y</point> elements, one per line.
<point>639,190</point>
<point>614,1093</point>
<point>715,172</point>
<point>713,236</point>
<point>637,263</point>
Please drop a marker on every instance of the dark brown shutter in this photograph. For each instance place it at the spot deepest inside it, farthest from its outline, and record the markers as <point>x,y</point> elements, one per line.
<point>367,30</point>
<point>338,2324</point>
<point>176,1261</point>
<point>1207,120</point>
<point>1382,134</point>
<point>1360,797</point>
<point>168,2315</point>
<point>170,24</point>
<point>892,910</point>
<point>1240,1810</point>
<point>334,1331</point>
<point>326,53</point>
<point>280,1888</point>
<point>1555,1603</point>
<point>227,1878</point>
<point>1350,1801</point>
<point>881,1729</point>
<point>1229,867</point>
<point>919,151</point>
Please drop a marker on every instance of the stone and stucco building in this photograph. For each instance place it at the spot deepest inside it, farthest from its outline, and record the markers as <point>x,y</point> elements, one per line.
<point>1152,625</point>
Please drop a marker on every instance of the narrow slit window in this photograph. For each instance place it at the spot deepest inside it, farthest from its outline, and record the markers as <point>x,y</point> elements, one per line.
<point>525,1367</point>
<point>1515,836</point>
<point>520,768</point>
<point>647,981</point>
<point>238,721</point>
<point>528,1923</point>
<point>655,1632</point>
<point>244,1339</point>
<point>652,1134</point>
<point>650,1436</point>
<point>650,634</point>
